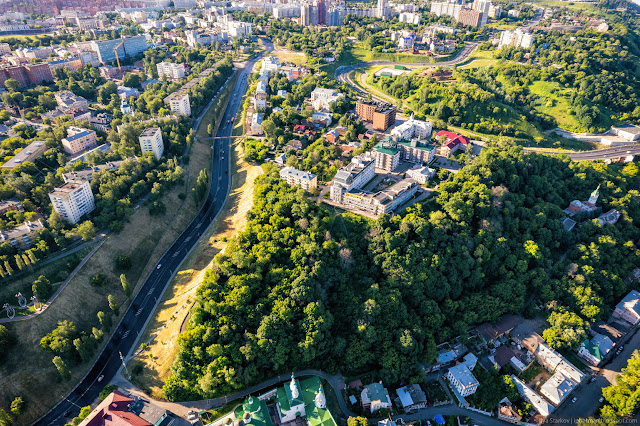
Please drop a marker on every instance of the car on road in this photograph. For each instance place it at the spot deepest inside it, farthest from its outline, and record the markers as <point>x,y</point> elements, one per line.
<point>100,378</point>
<point>574,399</point>
<point>592,379</point>
<point>601,399</point>
<point>159,266</point>
<point>620,349</point>
<point>67,413</point>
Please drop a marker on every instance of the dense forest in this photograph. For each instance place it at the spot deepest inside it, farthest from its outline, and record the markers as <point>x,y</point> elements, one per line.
<point>303,287</point>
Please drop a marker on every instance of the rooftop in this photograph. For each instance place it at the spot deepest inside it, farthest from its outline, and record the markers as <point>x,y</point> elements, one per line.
<point>30,152</point>
<point>629,128</point>
<point>462,373</point>
<point>151,131</point>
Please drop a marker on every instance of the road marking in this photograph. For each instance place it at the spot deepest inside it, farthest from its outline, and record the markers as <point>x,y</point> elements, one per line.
<point>126,333</point>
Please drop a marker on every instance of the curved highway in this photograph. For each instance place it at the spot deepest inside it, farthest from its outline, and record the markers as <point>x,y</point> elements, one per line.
<point>132,323</point>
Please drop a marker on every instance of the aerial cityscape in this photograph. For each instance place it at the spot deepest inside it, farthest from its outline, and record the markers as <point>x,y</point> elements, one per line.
<point>319,212</point>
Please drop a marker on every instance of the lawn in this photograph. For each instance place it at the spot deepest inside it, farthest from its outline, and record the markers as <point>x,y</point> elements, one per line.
<point>531,372</point>
<point>161,334</point>
<point>285,55</point>
<point>479,63</point>
<point>145,238</point>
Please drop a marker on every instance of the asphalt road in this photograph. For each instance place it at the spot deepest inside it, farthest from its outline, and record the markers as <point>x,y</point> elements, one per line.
<point>127,331</point>
<point>597,154</point>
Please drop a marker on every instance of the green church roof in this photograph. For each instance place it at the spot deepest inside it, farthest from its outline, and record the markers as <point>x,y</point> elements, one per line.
<point>257,410</point>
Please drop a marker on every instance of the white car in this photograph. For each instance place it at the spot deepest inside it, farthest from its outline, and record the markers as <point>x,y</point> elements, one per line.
<point>100,378</point>
<point>574,399</point>
<point>159,266</point>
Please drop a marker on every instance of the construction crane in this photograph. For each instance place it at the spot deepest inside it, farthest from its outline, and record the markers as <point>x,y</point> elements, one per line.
<point>115,50</point>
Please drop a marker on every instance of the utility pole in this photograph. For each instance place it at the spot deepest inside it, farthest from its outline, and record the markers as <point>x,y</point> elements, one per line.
<point>124,365</point>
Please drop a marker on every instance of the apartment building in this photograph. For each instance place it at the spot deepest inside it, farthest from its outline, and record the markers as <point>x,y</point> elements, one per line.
<point>381,114</point>
<point>131,46</point>
<point>171,70</point>
<point>30,153</point>
<point>27,75</point>
<point>79,139</point>
<point>470,18</point>
<point>412,129</point>
<point>22,237</point>
<point>449,8</point>
<point>305,180</point>
<point>270,65</point>
<point>375,204</point>
<point>517,38</point>
<point>179,103</point>
<point>73,200</point>
<point>354,176</point>
<point>463,380</point>
<point>323,98</point>
<point>67,101</point>
<point>151,141</point>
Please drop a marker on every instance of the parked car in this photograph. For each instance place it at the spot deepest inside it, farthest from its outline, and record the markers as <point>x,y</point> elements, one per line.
<point>620,349</point>
<point>574,399</point>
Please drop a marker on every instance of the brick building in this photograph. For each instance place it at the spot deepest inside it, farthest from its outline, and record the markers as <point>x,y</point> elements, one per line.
<point>382,115</point>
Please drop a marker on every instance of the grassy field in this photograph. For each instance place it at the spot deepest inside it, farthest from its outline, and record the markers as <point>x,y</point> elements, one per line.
<point>145,238</point>
<point>479,63</point>
<point>285,55</point>
<point>163,330</point>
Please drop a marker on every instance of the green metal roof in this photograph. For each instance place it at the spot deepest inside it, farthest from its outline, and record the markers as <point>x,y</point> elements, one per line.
<point>593,350</point>
<point>421,147</point>
<point>257,410</point>
<point>386,150</point>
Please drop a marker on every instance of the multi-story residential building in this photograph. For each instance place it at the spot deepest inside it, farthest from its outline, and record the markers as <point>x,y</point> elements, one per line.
<point>305,180</point>
<point>381,114</point>
<point>629,308</point>
<point>411,129</point>
<point>239,29</point>
<point>387,155</point>
<point>260,98</point>
<point>383,202</point>
<point>131,47</point>
<point>463,380</point>
<point>483,7</point>
<point>67,101</point>
<point>179,103</point>
<point>73,200</point>
<point>79,139</point>
<point>322,98</point>
<point>22,237</point>
<point>594,350</point>
<point>286,11</point>
<point>27,75</point>
<point>557,388</point>
<point>533,398</point>
<point>102,121</point>
<point>470,18</point>
<point>28,154</point>
<point>270,65</point>
<point>410,17</point>
<point>353,176</point>
<point>516,38</point>
<point>151,141</point>
<point>256,124</point>
<point>171,70</point>
<point>449,8</point>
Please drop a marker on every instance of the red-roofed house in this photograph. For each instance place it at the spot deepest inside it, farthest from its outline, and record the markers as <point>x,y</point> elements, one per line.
<point>454,142</point>
<point>114,411</point>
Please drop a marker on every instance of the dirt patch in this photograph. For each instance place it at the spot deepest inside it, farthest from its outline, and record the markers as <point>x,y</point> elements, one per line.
<point>161,335</point>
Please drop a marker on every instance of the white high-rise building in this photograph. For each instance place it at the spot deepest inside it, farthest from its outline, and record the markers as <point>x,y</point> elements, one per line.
<point>517,38</point>
<point>448,8</point>
<point>151,141</point>
<point>411,129</point>
<point>382,10</point>
<point>73,200</point>
<point>170,69</point>
<point>179,103</point>
<point>482,6</point>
